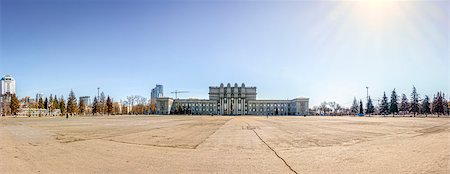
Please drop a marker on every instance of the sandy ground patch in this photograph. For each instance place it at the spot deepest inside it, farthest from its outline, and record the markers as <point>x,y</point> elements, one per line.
<point>191,144</point>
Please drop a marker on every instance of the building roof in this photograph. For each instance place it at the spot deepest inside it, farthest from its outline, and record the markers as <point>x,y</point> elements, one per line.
<point>7,77</point>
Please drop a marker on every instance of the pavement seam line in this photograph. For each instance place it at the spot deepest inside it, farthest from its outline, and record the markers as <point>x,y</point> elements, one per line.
<point>152,145</point>
<point>195,147</point>
<point>290,168</point>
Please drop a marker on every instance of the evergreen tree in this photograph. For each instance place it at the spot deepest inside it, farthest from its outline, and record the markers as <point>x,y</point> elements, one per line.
<point>414,102</point>
<point>50,103</point>
<point>384,105</point>
<point>82,107</point>
<point>62,105</point>
<point>426,106</point>
<point>355,106</point>
<point>46,103</point>
<point>40,103</point>
<point>394,103</point>
<point>433,104</point>
<point>72,103</point>
<point>438,105</point>
<point>109,105</point>
<point>361,109</point>
<point>404,105</point>
<point>55,103</point>
<point>370,107</point>
<point>15,104</point>
<point>95,106</point>
<point>444,104</point>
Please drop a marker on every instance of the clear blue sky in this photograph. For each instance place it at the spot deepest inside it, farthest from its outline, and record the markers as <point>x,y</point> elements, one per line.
<point>324,50</point>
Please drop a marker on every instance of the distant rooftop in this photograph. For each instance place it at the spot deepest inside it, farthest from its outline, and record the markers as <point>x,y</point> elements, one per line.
<point>7,77</point>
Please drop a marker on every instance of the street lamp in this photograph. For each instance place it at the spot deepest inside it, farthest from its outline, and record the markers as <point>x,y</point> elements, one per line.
<point>98,93</point>
<point>367,93</point>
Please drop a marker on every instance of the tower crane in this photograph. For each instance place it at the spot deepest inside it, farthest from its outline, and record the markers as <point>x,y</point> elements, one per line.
<point>176,92</point>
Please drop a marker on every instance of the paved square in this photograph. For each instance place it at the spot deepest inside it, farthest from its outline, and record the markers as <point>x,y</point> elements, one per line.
<point>204,144</point>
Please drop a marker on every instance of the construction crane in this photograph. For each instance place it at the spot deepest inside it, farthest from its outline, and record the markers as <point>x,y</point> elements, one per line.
<point>176,92</point>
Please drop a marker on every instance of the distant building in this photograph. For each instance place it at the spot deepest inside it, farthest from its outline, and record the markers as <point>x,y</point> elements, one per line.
<point>8,85</point>
<point>38,112</point>
<point>1,105</point>
<point>26,99</point>
<point>157,92</point>
<point>236,100</point>
<point>87,103</point>
<point>7,88</point>
<point>448,108</point>
<point>164,105</point>
<point>26,102</point>
<point>38,96</point>
<point>86,100</point>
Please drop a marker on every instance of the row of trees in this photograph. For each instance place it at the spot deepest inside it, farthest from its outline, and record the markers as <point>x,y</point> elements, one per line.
<point>140,105</point>
<point>329,108</point>
<point>415,106</point>
<point>51,104</point>
<point>102,106</point>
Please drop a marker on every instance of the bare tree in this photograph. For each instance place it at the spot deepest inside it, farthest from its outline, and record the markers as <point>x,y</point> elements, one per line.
<point>323,107</point>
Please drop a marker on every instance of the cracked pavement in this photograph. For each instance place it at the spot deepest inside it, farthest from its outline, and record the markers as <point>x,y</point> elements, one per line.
<point>194,144</point>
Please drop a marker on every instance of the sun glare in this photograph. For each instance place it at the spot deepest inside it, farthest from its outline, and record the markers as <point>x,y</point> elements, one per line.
<point>376,14</point>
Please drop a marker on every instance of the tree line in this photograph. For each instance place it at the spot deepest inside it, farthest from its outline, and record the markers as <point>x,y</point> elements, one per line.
<point>101,105</point>
<point>415,105</point>
<point>104,105</point>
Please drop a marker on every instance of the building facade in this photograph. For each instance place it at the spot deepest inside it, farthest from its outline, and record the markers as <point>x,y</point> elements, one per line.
<point>38,96</point>
<point>232,100</point>
<point>38,112</point>
<point>163,105</point>
<point>1,105</point>
<point>7,88</point>
<point>86,100</point>
<point>157,92</point>
<point>8,85</point>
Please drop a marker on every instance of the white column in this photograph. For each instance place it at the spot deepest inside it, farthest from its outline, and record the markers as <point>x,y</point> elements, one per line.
<point>243,106</point>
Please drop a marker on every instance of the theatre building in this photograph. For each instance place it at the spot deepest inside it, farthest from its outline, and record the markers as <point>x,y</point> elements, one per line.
<point>232,100</point>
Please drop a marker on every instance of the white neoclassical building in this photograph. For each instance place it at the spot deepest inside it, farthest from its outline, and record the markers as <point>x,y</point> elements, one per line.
<point>232,100</point>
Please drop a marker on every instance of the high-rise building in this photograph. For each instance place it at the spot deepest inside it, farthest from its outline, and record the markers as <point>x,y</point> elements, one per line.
<point>8,85</point>
<point>38,96</point>
<point>7,88</point>
<point>157,92</point>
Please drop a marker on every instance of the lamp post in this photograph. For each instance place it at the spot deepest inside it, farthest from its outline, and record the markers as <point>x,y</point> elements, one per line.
<point>98,93</point>
<point>98,96</point>
<point>367,98</point>
<point>367,93</point>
